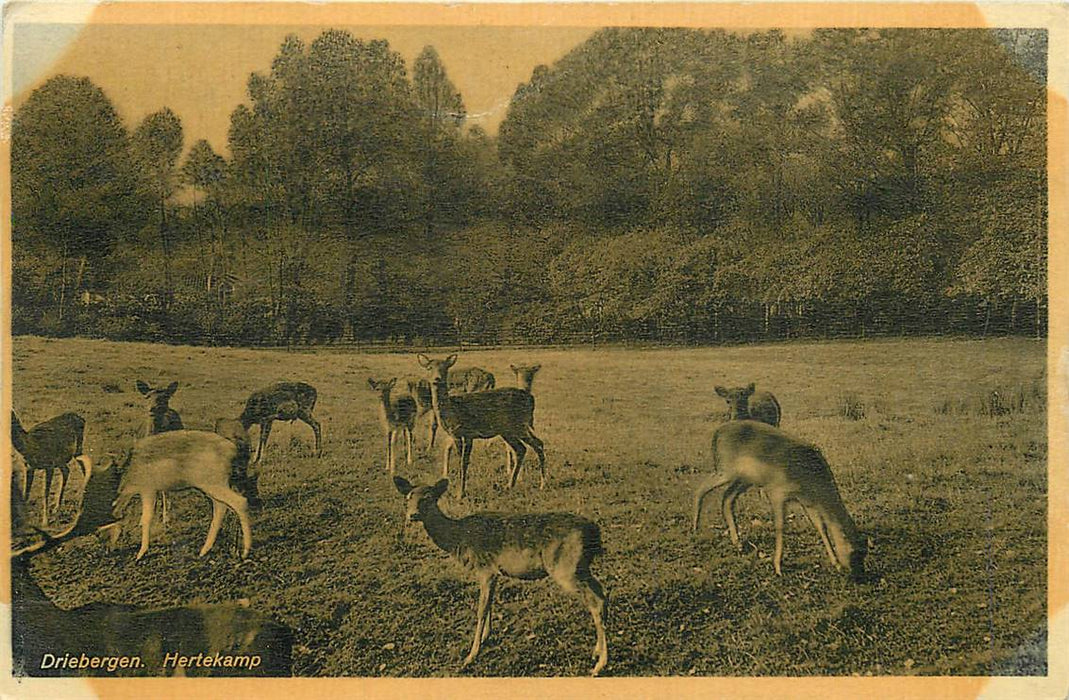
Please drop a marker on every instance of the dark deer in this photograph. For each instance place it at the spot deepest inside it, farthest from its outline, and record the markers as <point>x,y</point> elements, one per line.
<point>126,640</point>
<point>526,547</point>
<point>749,453</point>
<point>49,446</point>
<point>525,375</point>
<point>420,391</point>
<point>744,404</point>
<point>482,415</point>
<point>287,401</point>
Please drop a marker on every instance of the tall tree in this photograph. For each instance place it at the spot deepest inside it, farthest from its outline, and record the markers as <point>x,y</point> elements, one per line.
<point>71,182</point>
<point>157,144</point>
<point>204,170</point>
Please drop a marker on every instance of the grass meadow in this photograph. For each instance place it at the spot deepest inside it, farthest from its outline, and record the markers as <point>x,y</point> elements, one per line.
<point>939,449</point>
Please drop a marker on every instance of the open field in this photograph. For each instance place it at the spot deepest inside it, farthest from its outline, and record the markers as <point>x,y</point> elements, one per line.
<point>954,499</point>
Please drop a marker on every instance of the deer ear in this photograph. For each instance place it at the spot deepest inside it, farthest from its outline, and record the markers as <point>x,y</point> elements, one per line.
<point>750,388</point>
<point>141,386</point>
<point>513,368</point>
<point>441,487</point>
<point>371,383</point>
<point>172,388</point>
<point>451,360</point>
<point>390,384</point>
<point>402,485</point>
<point>721,391</point>
<point>423,360</point>
<point>536,368</point>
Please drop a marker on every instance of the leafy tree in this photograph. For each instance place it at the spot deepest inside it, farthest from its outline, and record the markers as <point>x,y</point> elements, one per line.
<point>156,145</point>
<point>71,188</point>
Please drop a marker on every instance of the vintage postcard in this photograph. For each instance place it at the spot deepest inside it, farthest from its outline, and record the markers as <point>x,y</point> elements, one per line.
<point>633,349</point>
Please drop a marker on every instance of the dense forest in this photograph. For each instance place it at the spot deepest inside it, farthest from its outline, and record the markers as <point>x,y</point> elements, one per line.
<point>668,185</point>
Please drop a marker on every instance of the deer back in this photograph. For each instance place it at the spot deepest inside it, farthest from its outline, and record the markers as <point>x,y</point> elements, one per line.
<point>179,459</point>
<point>488,413</point>
<point>266,403</point>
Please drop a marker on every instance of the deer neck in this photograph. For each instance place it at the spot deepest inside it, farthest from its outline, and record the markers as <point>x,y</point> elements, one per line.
<point>19,438</point>
<point>742,411</point>
<point>443,530</point>
<point>440,400</point>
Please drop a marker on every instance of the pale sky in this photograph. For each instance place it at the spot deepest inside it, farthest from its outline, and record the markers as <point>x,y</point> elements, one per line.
<point>200,71</point>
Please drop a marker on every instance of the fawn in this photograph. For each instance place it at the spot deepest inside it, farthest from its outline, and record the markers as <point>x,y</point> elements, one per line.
<point>398,414</point>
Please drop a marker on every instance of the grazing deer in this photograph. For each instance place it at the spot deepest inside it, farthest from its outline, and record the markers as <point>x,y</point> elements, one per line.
<point>51,445</point>
<point>184,459</point>
<point>398,414</point>
<point>525,375</point>
<point>420,391</point>
<point>744,404</point>
<point>287,401</point>
<point>128,641</point>
<point>161,418</point>
<point>482,415</point>
<point>749,453</point>
<point>526,547</point>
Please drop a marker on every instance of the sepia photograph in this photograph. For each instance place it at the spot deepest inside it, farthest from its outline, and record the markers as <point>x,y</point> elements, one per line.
<point>688,344</point>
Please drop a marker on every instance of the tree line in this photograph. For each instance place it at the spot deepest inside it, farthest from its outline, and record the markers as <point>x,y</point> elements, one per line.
<point>653,184</point>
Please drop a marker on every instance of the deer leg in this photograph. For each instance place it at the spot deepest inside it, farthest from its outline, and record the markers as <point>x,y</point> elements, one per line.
<point>314,425</point>
<point>389,450</point>
<point>709,484</point>
<point>539,447</point>
<point>822,529</point>
<point>65,476</point>
<point>596,601</point>
<point>480,615</point>
<point>408,444</point>
<point>465,459</point>
<point>518,450</point>
<point>163,508</point>
<point>727,505</point>
<point>449,445</point>
<point>47,497</point>
<point>240,506</point>
<point>28,483</point>
<point>779,507</point>
<point>148,503</point>
<point>489,608</point>
<point>218,513</point>
<point>433,428</point>
<point>265,432</point>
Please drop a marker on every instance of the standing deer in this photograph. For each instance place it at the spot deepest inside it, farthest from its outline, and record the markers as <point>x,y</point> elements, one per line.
<point>398,414</point>
<point>420,391</point>
<point>184,459</point>
<point>525,375</point>
<point>748,453</point>
<point>161,418</point>
<point>51,445</point>
<point>126,640</point>
<point>744,404</point>
<point>482,415</point>
<point>525,547</point>
<point>287,401</point>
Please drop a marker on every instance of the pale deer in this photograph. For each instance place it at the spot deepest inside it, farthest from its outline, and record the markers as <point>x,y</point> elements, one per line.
<point>525,375</point>
<point>506,412</point>
<point>48,641</point>
<point>287,401</point>
<point>161,418</point>
<point>398,415</point>
<point>184,459</point>
<point>526,547</point>
<point>49,446</point>
<point>744,404</point>
<point>749,453</point>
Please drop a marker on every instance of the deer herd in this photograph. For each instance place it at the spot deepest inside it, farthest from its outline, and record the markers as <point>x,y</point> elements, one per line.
<point>459,406</point>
